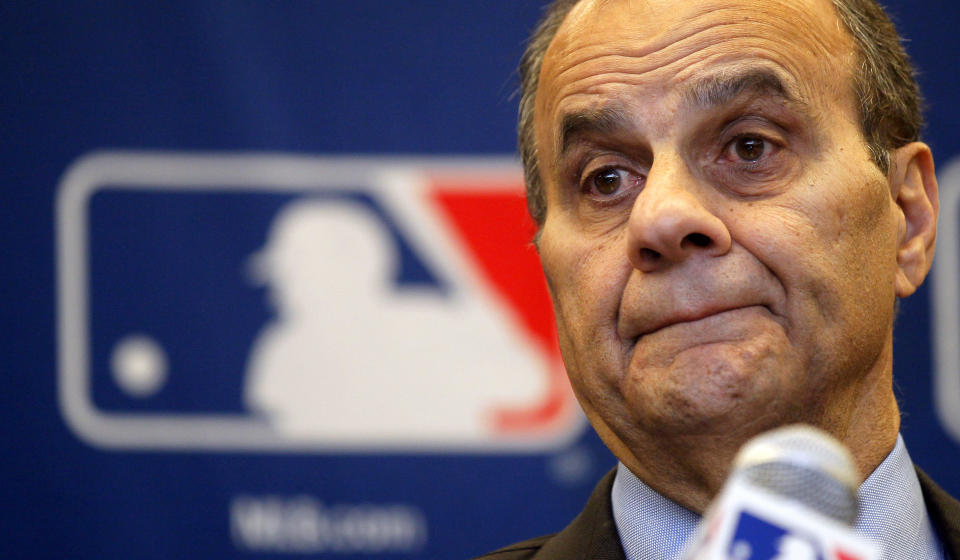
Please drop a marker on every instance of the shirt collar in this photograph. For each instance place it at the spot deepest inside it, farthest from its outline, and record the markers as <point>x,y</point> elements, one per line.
<point>892,514</point>
<point>651,526</point>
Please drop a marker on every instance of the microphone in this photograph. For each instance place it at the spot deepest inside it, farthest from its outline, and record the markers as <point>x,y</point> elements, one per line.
<point>791,495</point>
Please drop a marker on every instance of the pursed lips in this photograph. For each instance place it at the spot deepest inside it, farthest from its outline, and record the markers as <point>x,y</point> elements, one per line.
<point>687,316</point>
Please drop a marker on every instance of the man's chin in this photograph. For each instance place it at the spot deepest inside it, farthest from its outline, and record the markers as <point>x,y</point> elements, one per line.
<point>712,389</point>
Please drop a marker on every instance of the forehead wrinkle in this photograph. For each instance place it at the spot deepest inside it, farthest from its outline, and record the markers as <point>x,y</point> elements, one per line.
<point>723,87</point>
<point>574,80</point>
<point>627,65</point>
<point>579,40</point>
<point>659,51</point>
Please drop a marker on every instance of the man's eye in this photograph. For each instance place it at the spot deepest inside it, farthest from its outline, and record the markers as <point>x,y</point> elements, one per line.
<point>749,148</point>
<point>610,181</point>
<point>607,181</point>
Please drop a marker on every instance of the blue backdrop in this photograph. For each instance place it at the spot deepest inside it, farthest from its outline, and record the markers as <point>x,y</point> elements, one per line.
<point>320,81</point>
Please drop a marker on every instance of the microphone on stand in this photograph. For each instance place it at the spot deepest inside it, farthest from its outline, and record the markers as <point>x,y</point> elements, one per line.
<point>791,495</point>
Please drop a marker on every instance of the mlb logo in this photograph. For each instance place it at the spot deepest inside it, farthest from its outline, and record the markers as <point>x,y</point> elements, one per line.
<point>260,302</point>
<point>758,538</point>
<point>750,523</point>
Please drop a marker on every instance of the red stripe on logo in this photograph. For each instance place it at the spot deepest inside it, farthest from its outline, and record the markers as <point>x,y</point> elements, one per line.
<point>491,221</point>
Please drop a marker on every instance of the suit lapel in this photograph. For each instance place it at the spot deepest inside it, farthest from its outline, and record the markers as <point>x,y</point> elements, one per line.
<point>944,512</point>
<point>592,535</point>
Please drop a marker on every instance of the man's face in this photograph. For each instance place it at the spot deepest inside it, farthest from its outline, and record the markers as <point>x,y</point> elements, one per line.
<point>720,248</point>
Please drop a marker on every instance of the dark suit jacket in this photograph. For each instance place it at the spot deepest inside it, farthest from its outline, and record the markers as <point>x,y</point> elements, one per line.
<point>592,535</point>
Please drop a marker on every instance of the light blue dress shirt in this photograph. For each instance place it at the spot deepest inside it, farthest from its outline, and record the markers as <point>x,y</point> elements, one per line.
<point>892,514</point>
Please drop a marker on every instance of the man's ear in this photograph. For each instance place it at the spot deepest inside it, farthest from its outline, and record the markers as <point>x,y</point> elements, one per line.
<point>913,184</point>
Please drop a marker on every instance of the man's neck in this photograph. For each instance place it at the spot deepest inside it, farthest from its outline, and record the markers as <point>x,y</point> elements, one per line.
<point>690,469</point>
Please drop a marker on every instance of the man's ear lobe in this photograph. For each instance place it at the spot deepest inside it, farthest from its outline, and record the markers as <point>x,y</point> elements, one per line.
<point>913,183</point>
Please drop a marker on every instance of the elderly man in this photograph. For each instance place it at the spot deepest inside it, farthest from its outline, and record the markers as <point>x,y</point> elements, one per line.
<point>731,197</point>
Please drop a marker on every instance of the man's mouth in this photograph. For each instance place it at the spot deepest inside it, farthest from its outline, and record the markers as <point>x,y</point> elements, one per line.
<point>690,316</point>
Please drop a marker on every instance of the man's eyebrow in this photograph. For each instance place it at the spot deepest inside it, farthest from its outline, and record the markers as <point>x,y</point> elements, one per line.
<point>711,91</point>
<point>605,120</point>
<point>720,89</point>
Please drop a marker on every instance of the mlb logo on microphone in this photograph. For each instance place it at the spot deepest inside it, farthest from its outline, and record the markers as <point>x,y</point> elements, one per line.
<point>750,524</point>
<point>755,538</point>
<point>277,303</point>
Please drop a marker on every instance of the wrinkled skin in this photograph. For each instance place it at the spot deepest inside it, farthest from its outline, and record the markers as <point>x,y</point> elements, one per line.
<point>722,254</point>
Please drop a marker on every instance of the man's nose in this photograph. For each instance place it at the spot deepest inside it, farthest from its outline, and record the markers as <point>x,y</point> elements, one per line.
<point>670,222</point>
